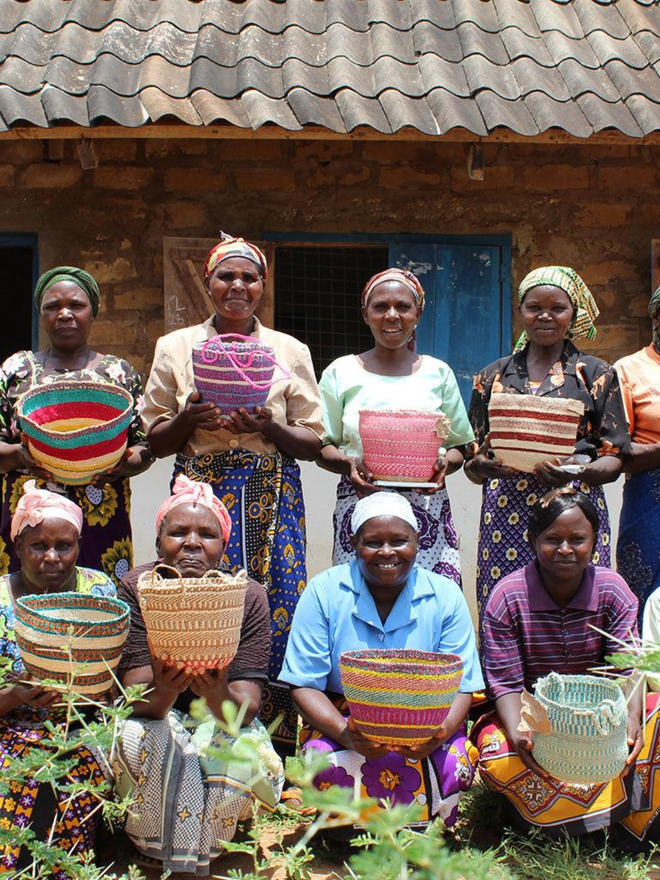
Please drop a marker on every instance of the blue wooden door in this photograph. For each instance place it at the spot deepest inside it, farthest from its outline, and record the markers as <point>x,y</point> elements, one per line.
<point>467,318</point>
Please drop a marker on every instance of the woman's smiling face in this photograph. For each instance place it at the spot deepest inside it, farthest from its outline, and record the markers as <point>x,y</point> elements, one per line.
<point>386,549</point>
<point>392,314</point>
<point>546,313</point>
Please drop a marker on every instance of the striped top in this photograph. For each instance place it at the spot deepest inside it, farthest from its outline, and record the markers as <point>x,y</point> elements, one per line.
<point>527,635</point>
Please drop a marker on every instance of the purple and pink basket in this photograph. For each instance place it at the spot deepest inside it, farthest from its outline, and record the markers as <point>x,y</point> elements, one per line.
<point>399,696</point>
<point>234,372</point>
<point>402,445</point>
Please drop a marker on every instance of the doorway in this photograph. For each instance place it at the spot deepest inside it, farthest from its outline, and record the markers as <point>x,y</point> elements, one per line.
<point>18,275</point>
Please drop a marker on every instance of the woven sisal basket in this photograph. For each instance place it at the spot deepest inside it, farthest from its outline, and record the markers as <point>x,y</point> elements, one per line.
<point>526,430</point>
<point>196,621</point>
<point>399,697</point>
<point>92,628</point>
<point>76,429</point>
<point>587,742</point>
<point>234,371</point>
<point>402,445</point>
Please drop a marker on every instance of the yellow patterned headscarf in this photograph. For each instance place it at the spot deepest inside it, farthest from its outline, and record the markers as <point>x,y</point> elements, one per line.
<point>567,279</point>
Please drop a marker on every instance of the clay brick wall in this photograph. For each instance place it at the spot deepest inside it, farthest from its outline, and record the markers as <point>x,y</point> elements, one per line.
<point>595,208</point>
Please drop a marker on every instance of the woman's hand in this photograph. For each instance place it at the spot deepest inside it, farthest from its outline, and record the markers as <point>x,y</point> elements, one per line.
<point>485,467</point>
<point>243,422</point>
<point>205,416</point>
<point>33,694</point>
<point>635,742</point>
<point>423,750</point>
<point>552,474</point>
<point>171,678</point>
<point>362,478</point>
<point>26,462</point>
<point>524,746</point>
<point>351,738</point>
<point>135,460</point>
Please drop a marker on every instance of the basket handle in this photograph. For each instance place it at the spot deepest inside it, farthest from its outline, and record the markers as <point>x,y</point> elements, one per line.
<point>212,357</point>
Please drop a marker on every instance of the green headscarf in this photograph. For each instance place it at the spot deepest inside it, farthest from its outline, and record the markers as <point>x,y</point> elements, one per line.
<point>585,310</point>
<point>69,273</point>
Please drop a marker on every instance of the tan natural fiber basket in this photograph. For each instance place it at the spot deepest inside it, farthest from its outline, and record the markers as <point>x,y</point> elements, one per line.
<point>196,621</point>
<point>526,430</point>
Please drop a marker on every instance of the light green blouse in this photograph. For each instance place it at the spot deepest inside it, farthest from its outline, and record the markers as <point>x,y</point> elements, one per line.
<point>346,388</point>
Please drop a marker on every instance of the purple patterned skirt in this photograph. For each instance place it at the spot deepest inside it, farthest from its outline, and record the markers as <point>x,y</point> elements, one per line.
<point>438,539</point>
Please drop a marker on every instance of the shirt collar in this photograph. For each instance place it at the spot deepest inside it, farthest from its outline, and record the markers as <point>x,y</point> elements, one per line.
<point>211,331</point>
<point>405,607</point>
<point>585,598</point>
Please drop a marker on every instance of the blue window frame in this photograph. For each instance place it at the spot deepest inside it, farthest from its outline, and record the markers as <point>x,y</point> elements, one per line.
<point>467,280</point>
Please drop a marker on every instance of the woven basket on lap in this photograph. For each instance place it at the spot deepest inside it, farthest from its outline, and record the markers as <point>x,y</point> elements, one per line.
<point>526,430</point>
<point>399,697</point>
<point>235,371</point>
<point>93,629</point>
<point>76,429</point>
<point>402,445</point>
<point>196,621</point>
<point>579,725</point>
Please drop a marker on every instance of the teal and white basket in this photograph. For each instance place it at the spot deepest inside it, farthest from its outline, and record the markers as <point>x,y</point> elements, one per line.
<point>587,728</point>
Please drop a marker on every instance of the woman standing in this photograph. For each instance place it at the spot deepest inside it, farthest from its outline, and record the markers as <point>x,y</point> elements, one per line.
<point>391,376</point>
<point>562,614</point>
<point>68,300</point>
<point>555,307</point>
<point>46,530</point>
<point>637,557</point>
<point>248,460</point>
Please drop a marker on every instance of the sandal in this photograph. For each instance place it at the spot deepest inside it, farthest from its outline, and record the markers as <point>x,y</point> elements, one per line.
<point>293,796</point>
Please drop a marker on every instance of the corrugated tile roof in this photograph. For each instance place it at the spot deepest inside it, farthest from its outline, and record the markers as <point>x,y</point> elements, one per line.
<point>583,66</point>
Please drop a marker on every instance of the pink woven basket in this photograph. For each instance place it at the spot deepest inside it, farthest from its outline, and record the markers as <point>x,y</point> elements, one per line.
<point>402,445</point>
<point>235,371</point>
<point>399,697</point>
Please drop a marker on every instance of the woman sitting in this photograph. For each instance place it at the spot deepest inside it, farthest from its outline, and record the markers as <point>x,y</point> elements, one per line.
<point>46,531</point>
<point>552,616</point>
<point>184,805</point>
<point>382,599</point>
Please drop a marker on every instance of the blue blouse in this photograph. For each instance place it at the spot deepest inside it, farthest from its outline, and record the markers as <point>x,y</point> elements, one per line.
<point>337,613</point>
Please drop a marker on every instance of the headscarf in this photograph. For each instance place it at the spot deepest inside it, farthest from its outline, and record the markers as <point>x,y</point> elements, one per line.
<point>235,247</point>
<point>654,307</point>
<point>382,504</point>
<point>187,491</point>
<point>402,276</point>
<point>69,273</point>
<point>36,504</point>
<point>585,309</point>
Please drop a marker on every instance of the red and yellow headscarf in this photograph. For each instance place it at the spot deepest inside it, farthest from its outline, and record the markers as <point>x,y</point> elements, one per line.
<point>235,247</point>
<point>402,276</point>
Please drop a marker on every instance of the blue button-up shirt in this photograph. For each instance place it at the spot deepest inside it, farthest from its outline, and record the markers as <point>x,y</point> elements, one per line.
<point>337,613</point>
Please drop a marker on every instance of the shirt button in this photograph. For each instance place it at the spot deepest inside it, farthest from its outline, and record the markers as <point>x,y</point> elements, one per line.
<point>233,443</point>
<point>381,637</point>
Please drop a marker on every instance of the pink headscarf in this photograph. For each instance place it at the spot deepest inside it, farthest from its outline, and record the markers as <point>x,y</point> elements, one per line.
<point>186,491</point>
<point>37,504</point>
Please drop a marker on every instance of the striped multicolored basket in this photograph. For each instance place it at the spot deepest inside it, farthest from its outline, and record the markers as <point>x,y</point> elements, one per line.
<point>399,697</point>
<point>234,371</point>
<point>588,743</point>
<point>402,445</point>
<point>76,429</point>
<point>526,430</point>
<point>92,628</point>
<point>196,621</point>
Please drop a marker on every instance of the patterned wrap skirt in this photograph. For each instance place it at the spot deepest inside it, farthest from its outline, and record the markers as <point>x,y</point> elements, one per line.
<point>186,801</point>
<point>106,542</point>
<point>637,553</point>
<point>263,494</point>
<point>438,538</point>
<point>46,808</point>
<point>562,808</point>
<point>435,783</point>
<point>503,547</point>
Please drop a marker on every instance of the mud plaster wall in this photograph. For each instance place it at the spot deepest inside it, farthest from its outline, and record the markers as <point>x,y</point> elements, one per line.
<point>593,207</point>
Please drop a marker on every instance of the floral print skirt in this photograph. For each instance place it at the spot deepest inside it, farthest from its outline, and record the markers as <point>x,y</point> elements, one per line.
<point>435,783</point>
<point>438,538</point>
<point>106,541</point>
<point>503,546</point>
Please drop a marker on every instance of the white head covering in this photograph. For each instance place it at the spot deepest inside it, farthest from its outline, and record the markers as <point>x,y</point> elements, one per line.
<point>383,504</point>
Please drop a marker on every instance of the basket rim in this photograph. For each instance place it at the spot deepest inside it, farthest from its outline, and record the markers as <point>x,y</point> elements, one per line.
<point>81,600</point>
<point>38,390</point>
<point>580,679</point>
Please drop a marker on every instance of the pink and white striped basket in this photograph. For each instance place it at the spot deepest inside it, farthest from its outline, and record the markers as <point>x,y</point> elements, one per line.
<point>235,371</point>
<point>402,445</point>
